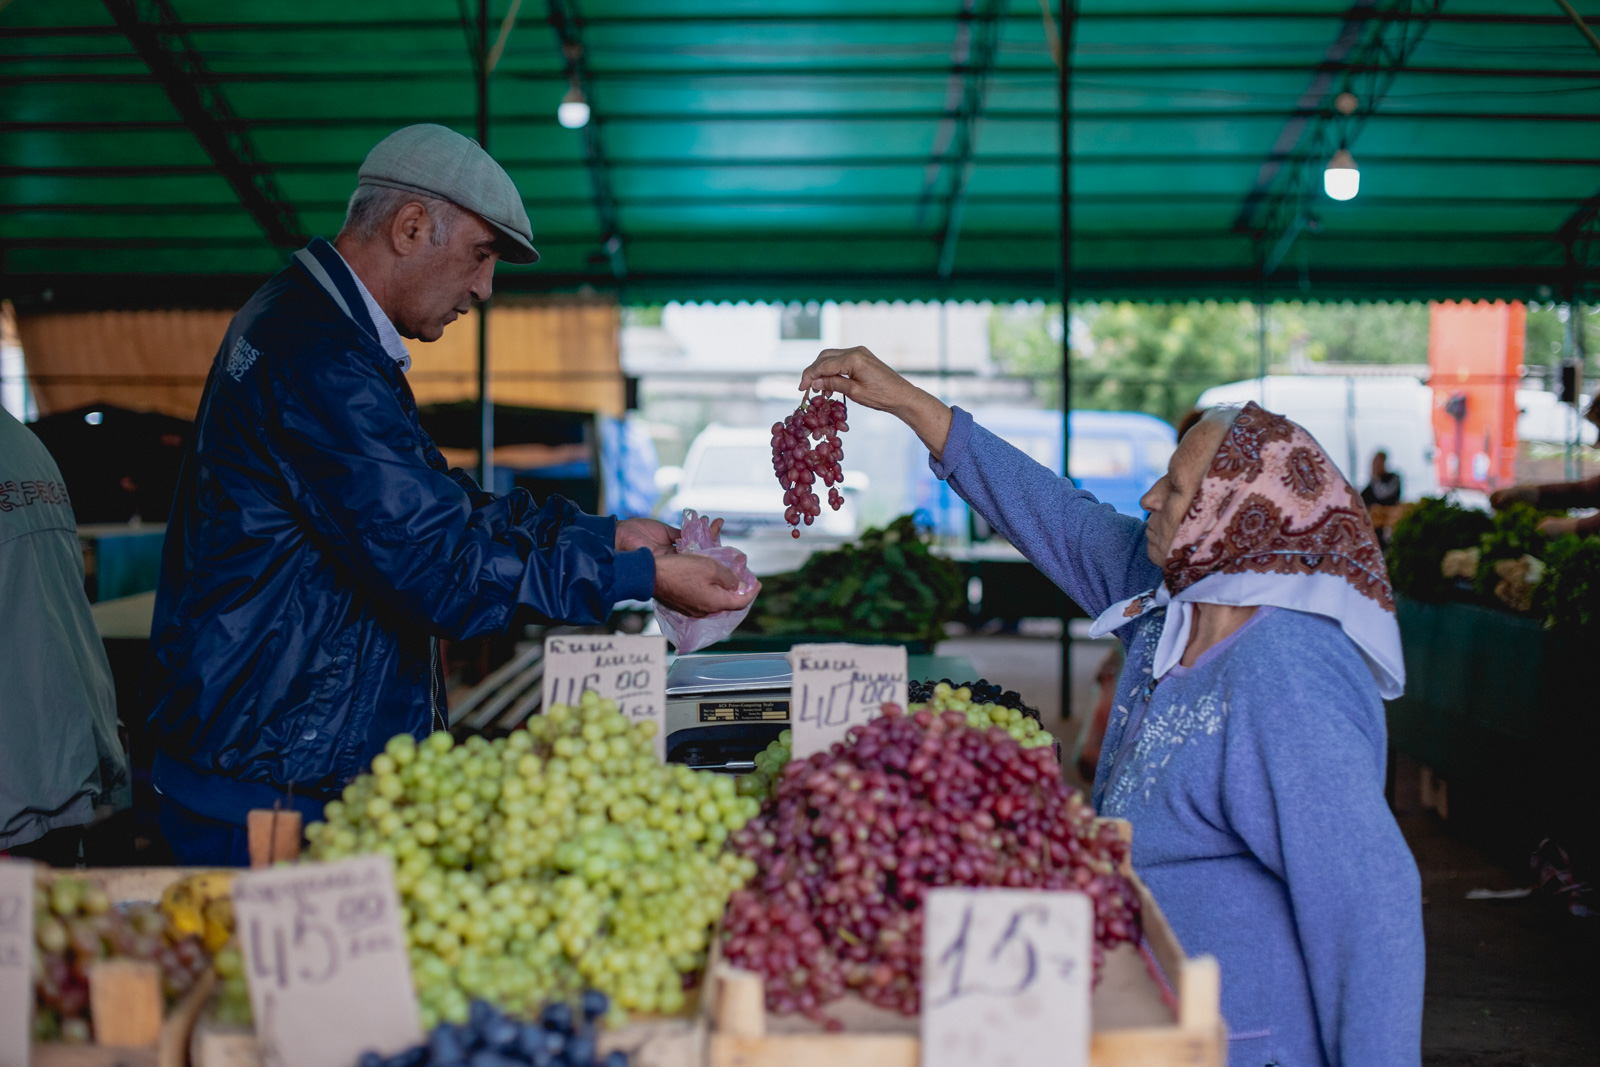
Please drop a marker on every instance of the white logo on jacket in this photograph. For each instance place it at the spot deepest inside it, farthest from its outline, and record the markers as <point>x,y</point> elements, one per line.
<point>240,359</point>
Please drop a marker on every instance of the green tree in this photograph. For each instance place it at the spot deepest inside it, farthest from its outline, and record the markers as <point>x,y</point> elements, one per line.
<point>1545,341</point>
<point>1352,333</point>
<point>1159,358</point>
<point>1155,358</point>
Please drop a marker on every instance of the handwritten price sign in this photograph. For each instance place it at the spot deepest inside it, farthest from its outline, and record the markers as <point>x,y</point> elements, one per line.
<point>836,687</point>
<point>1005,978</point>
<point>326,960</point>
<point>632,670</point>
<point>16,961</point>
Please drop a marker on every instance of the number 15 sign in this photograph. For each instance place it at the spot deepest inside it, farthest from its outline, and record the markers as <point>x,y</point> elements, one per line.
<point>1005,978</point>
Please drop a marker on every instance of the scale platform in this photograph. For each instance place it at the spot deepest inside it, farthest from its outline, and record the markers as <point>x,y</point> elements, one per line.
<point>723,709</point>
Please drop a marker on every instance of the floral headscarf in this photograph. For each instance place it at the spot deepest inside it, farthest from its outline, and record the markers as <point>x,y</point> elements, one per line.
<point>1275,523</point>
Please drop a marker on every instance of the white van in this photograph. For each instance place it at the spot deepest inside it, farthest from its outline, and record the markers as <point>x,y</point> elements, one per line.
<point>1352,417</point>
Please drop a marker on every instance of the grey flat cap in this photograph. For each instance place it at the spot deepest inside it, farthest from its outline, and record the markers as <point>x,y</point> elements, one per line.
<point>436,161</point>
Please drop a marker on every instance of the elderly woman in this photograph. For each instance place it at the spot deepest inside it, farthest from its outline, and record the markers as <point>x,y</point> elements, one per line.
<point>1247,741</point>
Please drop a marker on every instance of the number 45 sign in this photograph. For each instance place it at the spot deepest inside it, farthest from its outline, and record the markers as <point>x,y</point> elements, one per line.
<point>1005,978</point>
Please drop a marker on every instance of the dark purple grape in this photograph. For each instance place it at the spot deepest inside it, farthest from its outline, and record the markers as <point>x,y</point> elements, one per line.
<point>557,1017</point>
<point>595,1004</point>
<point>445,1047</point>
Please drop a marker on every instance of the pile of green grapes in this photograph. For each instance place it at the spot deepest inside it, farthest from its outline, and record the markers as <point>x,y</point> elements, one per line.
<point>1024,729</point>
<point>562,857</point>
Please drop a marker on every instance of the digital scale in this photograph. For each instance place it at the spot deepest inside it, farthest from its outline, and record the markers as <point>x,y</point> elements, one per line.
<point>724,709</point>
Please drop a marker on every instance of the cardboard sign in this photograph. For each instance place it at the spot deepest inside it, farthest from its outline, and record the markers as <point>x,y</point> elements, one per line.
<point>837,686</point>
<point>630,669</point>
<point>1006,975</point>
<point>326,960</point>
<point>16,961</point>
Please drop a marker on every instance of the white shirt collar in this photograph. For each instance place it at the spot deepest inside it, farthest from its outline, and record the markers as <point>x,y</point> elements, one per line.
<point>388,336</point>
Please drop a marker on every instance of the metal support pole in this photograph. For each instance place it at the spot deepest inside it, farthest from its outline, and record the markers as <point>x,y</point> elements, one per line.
<point>1261,335</point>
<point>1069,14</point>
<point>485,400</point>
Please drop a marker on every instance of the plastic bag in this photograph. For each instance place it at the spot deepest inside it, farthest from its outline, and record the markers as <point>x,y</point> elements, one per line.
<point>690,634</point>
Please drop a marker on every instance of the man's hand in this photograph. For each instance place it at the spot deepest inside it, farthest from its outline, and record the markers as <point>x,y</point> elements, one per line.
<point>868,380</point>
<point>1557,527</point>
<point>698,585</point>
<point>1517,494</point>
<point>646,533</point>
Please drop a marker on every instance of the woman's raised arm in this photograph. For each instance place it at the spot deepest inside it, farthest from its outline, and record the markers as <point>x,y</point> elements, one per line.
<point>1095,555</point>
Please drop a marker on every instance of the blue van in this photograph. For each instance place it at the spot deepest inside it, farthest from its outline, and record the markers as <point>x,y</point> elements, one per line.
<point>1116,455</point>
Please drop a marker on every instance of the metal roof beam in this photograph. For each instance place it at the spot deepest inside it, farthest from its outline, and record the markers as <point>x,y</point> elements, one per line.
<point>1373,57</point>
<point>1156,68</point>
<point>977,42</point>
<point>465,121</point>
<point>759,72</point>
<point>567,22</point>
<point>1176,14</point>
<point>780,199</point>
<point>161,40</point>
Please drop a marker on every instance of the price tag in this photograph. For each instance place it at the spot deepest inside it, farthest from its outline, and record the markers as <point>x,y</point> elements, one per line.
<point>627,668</point>
<point>837,686</point>
<point>16,961</point>
<point>1005,978</point>
<point>326,961</point>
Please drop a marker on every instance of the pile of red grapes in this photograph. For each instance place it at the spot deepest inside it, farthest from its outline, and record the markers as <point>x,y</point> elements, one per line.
<point>75,926</point>
<point>854,837</point>
<point>799,465</point>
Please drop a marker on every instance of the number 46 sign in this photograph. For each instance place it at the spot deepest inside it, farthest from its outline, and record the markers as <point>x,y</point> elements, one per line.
<point>1005,978</point>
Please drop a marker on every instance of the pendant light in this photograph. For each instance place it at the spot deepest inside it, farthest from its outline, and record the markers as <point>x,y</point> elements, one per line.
<point>1341,180</point>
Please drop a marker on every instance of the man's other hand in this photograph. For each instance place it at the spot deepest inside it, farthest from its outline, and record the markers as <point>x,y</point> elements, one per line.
<point>646,533</point>
<point>698,585</point>
<point>1557,526</point>
<point>1517,494</point>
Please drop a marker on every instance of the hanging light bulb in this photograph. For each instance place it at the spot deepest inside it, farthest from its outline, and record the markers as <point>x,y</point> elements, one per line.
<point>1341,180</point>
<point>574,110</point>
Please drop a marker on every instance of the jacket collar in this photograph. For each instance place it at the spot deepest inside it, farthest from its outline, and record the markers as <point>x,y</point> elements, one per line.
<point>330,271</point>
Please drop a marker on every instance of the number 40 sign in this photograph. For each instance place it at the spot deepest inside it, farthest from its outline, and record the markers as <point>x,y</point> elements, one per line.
<point>1005,978</point>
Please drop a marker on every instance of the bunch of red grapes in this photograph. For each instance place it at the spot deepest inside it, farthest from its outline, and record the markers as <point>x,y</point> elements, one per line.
<point>854,838</point>
<point>75,926</point>
<point>799,465</point>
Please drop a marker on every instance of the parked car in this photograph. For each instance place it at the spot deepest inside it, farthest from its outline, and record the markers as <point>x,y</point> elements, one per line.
<point>1116,455</point>
<point>728,475</point>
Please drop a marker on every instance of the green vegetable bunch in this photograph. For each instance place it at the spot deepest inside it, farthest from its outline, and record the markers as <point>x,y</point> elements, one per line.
<point>888,583</point>
<point>1515,534</point>
<point>1432,528</point>
<point>1569,596</point>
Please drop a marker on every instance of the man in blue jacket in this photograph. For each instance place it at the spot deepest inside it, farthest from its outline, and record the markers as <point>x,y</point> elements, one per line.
<point>319,544</point>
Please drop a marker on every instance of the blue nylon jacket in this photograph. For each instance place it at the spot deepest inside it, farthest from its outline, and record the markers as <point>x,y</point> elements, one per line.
<point>317,542</point>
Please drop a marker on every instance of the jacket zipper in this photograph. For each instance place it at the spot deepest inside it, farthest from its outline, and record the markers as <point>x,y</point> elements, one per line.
<point>433,685</point>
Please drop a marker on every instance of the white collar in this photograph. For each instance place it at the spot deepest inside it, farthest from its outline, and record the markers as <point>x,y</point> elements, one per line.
<point>388,336</point>
<point>1372,627</point>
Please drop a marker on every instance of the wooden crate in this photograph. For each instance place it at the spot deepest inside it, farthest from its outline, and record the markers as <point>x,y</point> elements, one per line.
<point>1136,1020</point>
<point>127,885</point>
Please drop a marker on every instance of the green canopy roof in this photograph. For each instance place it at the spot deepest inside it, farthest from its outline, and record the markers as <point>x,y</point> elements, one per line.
<point>173,152</point>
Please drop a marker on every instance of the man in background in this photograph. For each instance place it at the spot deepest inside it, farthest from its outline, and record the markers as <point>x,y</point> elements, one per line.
<point>61,765</point>
<point>1384,488</point>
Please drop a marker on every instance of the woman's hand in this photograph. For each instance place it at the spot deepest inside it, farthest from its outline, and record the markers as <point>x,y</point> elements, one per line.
<point>864,378</point>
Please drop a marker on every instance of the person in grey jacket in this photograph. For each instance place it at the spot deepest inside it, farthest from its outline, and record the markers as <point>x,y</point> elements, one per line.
<point>61,764</point>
